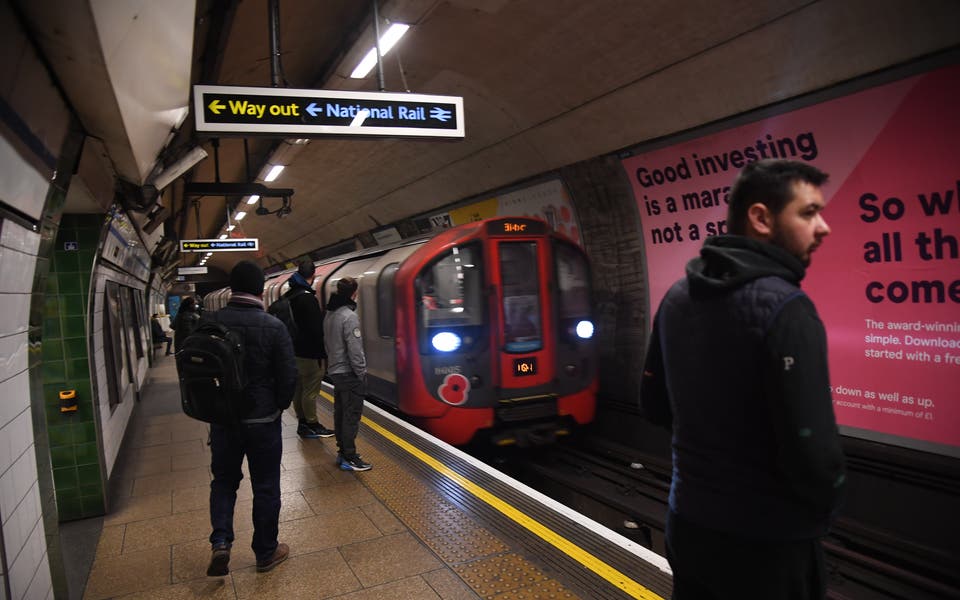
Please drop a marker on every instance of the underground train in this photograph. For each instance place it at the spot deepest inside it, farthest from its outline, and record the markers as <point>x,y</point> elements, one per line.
<point>481,333</point>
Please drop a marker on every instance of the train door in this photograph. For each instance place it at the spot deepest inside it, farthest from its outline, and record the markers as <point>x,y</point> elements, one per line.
<point>519,274</point>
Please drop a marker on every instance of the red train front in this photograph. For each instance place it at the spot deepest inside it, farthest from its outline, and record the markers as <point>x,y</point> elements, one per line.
<point>494,334</point>
<point>480,333</point>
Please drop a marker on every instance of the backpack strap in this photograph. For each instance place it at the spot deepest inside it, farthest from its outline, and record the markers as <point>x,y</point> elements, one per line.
<point>268,419</point>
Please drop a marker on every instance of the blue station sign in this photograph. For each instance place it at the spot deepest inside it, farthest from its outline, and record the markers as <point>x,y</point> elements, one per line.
<point>225,245</point>
<point>306,113</point>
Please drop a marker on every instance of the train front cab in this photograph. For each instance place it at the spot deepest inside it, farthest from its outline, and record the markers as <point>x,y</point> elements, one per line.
<point>502,325</point>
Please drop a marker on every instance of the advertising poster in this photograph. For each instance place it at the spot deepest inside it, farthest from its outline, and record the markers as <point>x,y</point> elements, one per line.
<point>548,201</point>
<point>886,282</point>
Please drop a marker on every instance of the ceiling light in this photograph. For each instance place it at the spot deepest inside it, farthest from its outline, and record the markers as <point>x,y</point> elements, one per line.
<point>253,199</point>
<point>231,227</point>
<point>223,236</point>
<point>274,172</point>
<point>387,41</point>
<point>239,216</point>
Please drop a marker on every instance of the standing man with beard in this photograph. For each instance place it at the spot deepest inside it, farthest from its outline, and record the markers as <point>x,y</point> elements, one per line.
<point>737,369</point>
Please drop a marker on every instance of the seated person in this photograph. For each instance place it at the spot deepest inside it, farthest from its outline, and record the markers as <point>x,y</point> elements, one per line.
<point>158,334</point>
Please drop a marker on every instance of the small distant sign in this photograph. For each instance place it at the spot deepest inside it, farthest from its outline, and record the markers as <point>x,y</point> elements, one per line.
<point>306,113</point>
<point>71,246</point>
<point>192,271</point>
<point>227,245</point>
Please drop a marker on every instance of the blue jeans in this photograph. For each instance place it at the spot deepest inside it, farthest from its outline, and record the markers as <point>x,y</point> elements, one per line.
<point>262,444</point>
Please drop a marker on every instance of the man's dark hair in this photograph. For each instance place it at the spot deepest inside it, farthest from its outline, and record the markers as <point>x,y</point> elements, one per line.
<point>768,182</point>
<point>187,303</point>
<point>246,277</point>
<point>306,268</point>
<point>347,286</point>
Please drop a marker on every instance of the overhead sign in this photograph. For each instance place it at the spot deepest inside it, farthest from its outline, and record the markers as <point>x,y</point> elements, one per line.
<point>227,245</point>
<point>306,113</point>
<point>192,270</point>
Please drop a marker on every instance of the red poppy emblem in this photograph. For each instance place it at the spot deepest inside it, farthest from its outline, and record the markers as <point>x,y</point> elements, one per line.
<point>455,389</point>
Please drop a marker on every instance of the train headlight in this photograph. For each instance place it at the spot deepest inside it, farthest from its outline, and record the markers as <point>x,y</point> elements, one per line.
<point>446,341</point>
<point>584,330</point>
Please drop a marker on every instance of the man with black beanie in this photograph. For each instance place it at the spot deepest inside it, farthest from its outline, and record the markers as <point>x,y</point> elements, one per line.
<point>271,375</point>
<point>308,348</point>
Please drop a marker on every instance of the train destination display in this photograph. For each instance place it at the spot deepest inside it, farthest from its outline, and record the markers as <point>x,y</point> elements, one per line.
<point>306,113</point>
<point>886,281</point>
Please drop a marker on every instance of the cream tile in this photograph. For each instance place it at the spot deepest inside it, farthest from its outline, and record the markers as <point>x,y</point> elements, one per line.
<point>300,479</point>
<point>338,496</point>
<point>155,484</point>
<point>151,466</point>
<point>194,430</point>
<point>321,574</point>
<point>137,508</point>
<point>385,520</point>
<point>547,589</point>
<point>450,587</point>
<point>198,497</point>
<point>216,589</point>
<point>165,531</point>
<point>186,447</point>
<point>411,588</point>
<point>196,460</point>
<point>133,572</point>
<point>389,558</point>
<point>326,531</point>
<point>111,541</point>
<point>292,507</point>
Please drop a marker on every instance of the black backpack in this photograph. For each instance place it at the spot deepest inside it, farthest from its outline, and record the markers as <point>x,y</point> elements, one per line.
<point>210,366</point>
<point>282,310</point>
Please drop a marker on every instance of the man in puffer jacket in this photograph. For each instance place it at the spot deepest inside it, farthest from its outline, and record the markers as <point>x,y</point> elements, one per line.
<point>271,374</point>
<point>737,367</point>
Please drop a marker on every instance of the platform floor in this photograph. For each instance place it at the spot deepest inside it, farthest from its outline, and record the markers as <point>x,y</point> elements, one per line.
<point>394,532</point>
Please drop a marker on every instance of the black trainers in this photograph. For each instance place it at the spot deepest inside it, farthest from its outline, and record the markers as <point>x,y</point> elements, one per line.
<point>305,431</point>
<point>354,463</point>
<point>279,555</point>
<point>219,561</point>
<point>320,430</point>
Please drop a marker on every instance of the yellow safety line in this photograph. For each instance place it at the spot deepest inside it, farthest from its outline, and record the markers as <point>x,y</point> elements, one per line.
<point>615,577</point>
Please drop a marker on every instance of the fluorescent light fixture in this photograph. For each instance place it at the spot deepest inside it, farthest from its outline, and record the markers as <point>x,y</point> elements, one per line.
<point>231,227</point>
<point>223,236</point>
<point>253,199</point>
<point>275,171</point>
<point>179,168</point>
<point>387,41</point>
<point>239,216</point>
<point>360,118</point>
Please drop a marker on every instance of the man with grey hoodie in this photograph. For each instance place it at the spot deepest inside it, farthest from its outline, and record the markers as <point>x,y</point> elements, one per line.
<point>347,370</point>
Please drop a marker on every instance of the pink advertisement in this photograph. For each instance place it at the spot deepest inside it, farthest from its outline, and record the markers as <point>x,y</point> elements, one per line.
<point>886,282</point>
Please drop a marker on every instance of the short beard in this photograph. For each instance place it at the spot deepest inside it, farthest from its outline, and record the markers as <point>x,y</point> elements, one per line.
<point>777,240</point>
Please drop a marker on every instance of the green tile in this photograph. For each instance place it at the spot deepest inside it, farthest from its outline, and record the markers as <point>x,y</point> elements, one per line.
<point>69,283</point>
<point>62,456</point>
<point>87,454</point>
<point>78,368</point>
<point>72,305</point>
<point>65,478</point>
<point>51,306</point>
<point>82,385</point>
<point>85,286</point>
<point>89,474</point>
<point>69,508</point>
<point>89,237</point>
<point>93,489</point>
<point>54,370</point>
<point>75,348</point>
<point>66,262</point>
<point>74,327</point>
<point>85,257</point>
<point>52,349</point>
<point>51,328</point>
<point>84,432</point>
<point>92,506</point>
<point>53,287</point>
<point>60,435</point>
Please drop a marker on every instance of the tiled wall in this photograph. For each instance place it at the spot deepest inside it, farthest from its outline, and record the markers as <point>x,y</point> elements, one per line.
<point>74,451</point>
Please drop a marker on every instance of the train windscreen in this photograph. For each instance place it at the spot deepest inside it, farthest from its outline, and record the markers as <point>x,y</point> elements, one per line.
<point>450,289</point>
<point>522,326</point>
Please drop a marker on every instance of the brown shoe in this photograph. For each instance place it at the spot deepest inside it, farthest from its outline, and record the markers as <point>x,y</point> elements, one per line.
<point>279,555</point>
<point>219,561</point>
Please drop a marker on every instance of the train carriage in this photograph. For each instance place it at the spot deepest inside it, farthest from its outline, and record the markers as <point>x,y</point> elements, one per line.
<point>480,333</point>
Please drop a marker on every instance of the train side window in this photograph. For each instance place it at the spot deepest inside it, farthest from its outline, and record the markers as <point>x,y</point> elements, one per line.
<point>386,319</point>
<point>520,280</point>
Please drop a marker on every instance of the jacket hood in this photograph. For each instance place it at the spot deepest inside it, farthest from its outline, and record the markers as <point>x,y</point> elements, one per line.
<point>728,261</point>
<point>297,281</point>
<point>336,301</point>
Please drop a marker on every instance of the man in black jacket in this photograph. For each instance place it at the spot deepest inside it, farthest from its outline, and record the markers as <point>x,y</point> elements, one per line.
<point>188,316</point>
<point>270,378</point>
<point>737,368</point>
<point>308,347</point>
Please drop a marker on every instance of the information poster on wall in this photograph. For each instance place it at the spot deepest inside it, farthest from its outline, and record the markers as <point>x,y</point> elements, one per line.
<point>886,282</point>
